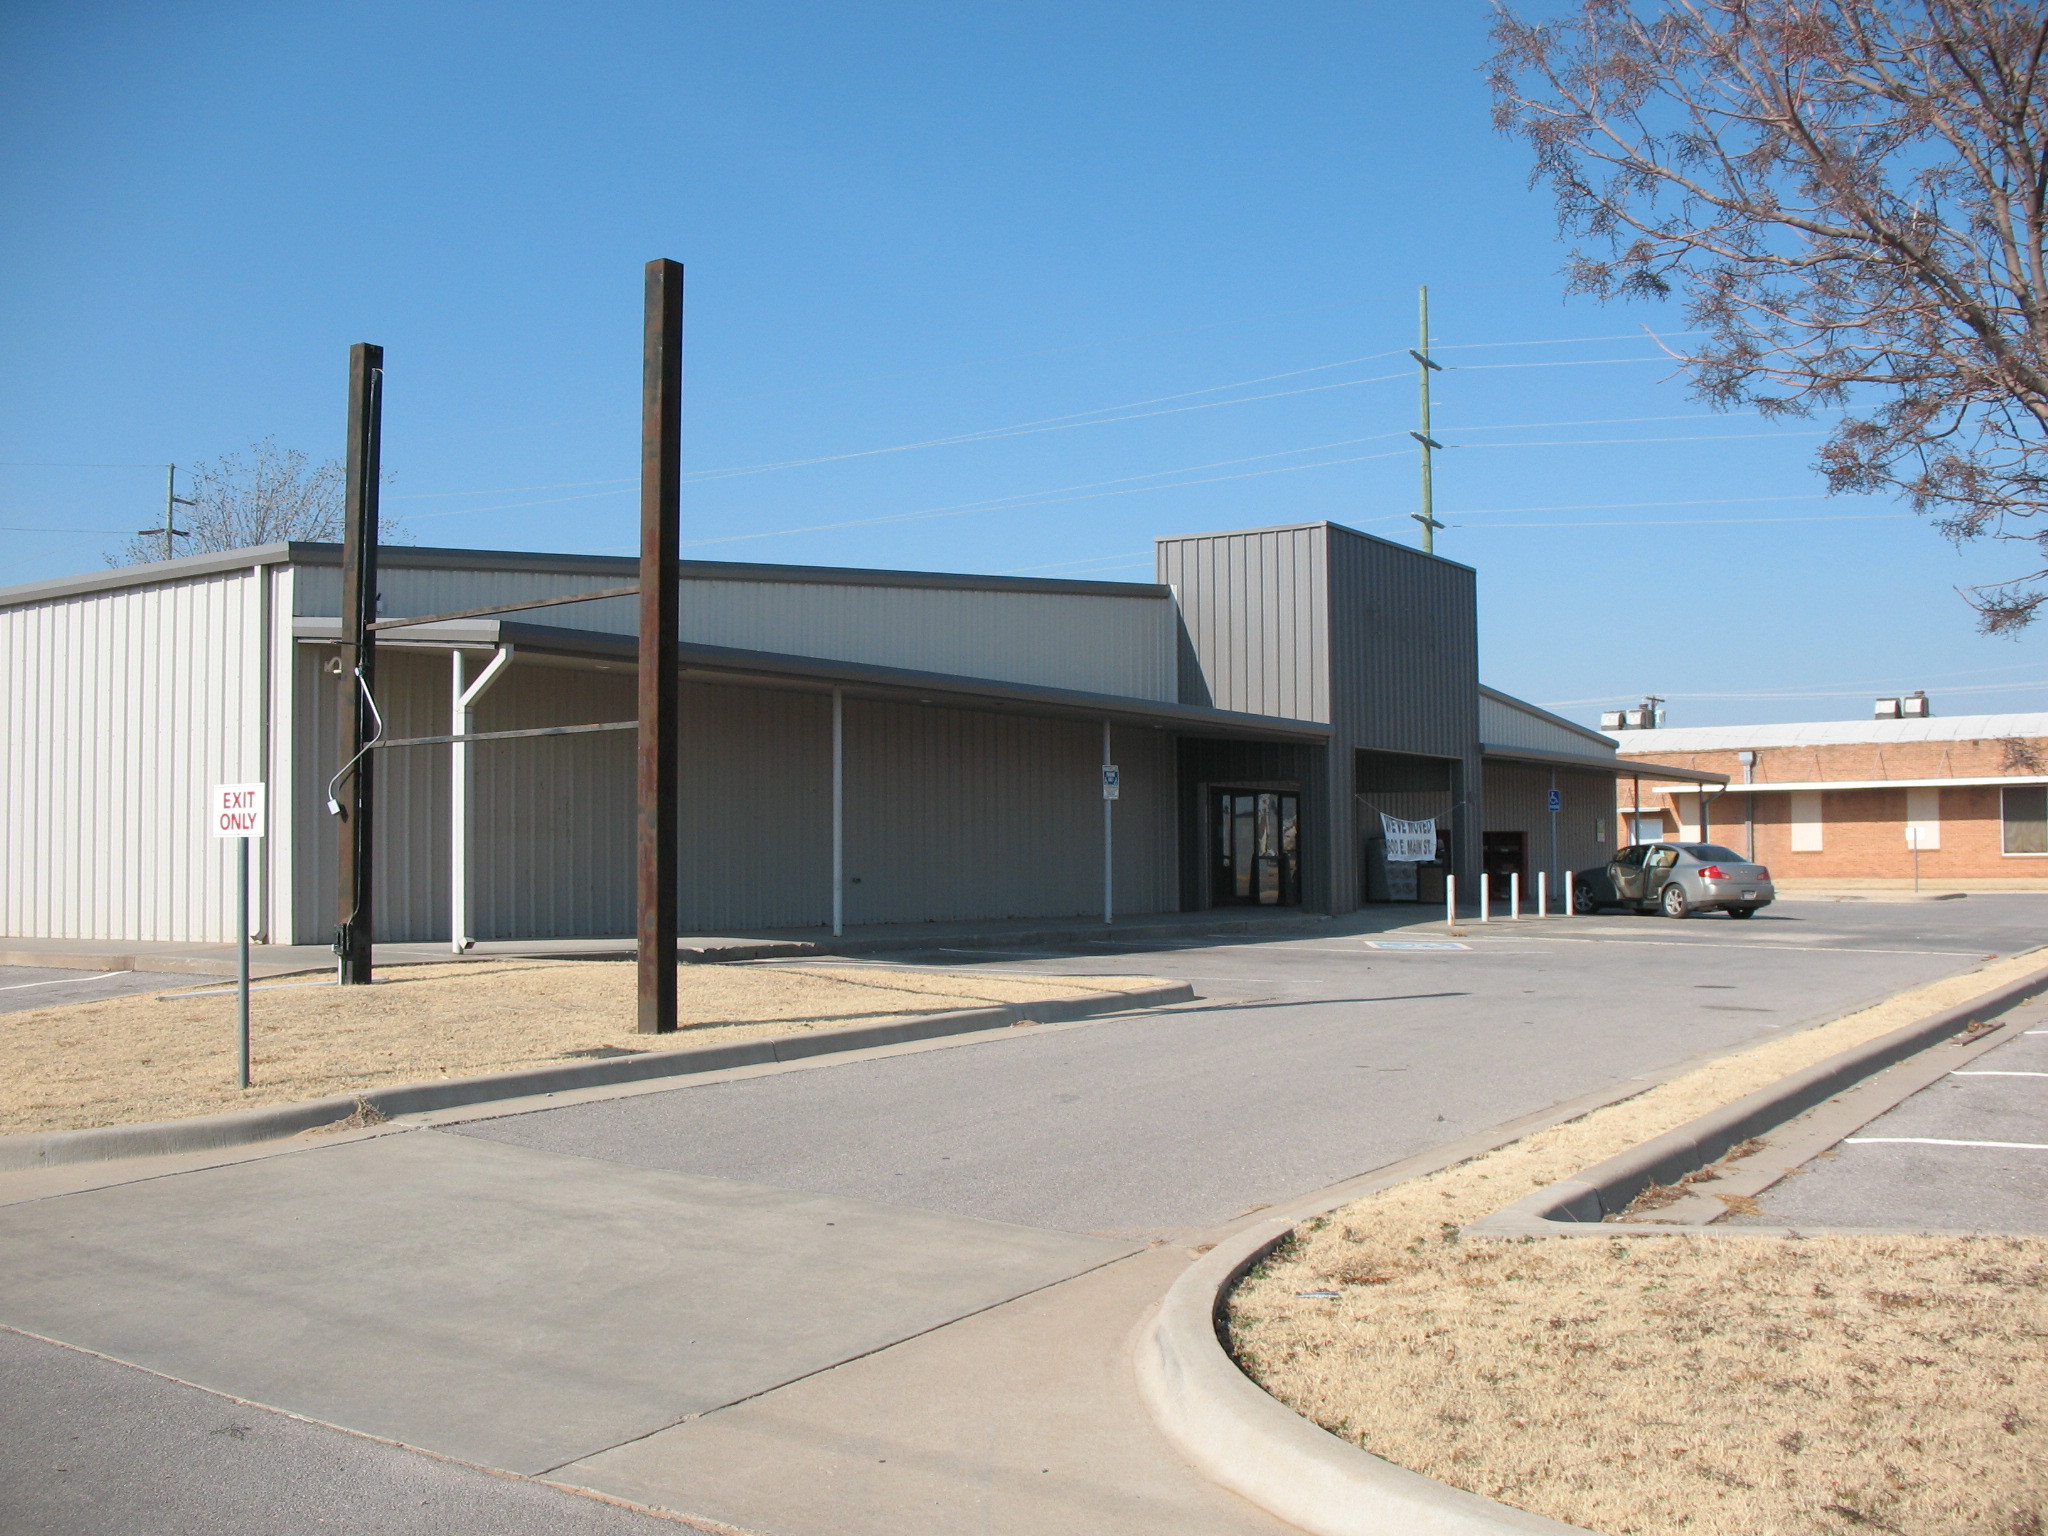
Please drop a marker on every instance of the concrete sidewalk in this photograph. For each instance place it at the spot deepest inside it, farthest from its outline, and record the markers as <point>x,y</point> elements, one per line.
<point>269,960</point>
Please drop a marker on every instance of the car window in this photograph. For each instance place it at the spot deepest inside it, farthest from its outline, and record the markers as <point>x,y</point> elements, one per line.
<point>1714,853</point>
<point>1631,858</point>
<point>1662,858</point>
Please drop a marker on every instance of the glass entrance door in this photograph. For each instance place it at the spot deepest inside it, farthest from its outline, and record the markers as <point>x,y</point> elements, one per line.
<point>1256,848</point>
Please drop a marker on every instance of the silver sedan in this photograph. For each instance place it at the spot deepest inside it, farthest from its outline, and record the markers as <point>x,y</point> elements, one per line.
<point>1676,879</point>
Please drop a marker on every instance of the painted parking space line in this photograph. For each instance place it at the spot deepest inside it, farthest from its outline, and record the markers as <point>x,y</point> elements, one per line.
<point>1939,1141</point>
<point>60,981</point>
<point>1986,1072</point>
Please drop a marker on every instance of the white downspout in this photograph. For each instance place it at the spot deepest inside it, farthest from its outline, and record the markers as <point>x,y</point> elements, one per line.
<point>459,782</point>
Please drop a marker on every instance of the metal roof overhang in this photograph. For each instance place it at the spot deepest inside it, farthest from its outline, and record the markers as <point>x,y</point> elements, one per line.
<point>549,643</point>
<point>1621,768</point>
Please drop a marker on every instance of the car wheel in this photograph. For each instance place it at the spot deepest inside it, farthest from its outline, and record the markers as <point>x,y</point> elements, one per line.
<point>1742,911</point>
<point>1583,902</point>
<point>1674,902</point>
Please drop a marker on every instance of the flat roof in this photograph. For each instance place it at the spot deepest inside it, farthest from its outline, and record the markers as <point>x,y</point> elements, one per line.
<point>1827,733</point>
<point>625,567</point>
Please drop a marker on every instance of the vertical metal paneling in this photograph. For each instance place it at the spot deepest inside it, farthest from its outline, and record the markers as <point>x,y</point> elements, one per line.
<point>1256,612</point>
<point>118,711</point>
<point>1109,642</point>
<point>1518,800</point>
<point>959,814</point>
<point>1503,724</point>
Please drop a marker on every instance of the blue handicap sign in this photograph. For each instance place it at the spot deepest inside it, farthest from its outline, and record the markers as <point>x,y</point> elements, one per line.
<point>1556,800</point>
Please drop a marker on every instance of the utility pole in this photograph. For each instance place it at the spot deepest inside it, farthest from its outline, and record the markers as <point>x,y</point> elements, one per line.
<point>1427,516</point>
<point>172,501</point>
<point>656,857</point>
<point>360,727</point>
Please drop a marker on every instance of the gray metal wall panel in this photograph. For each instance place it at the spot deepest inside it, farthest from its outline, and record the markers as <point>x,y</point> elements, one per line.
<point>956,814</point>
<point>1503,725</point>
<point>1256,614</point>
<point>1404,664</point>
<point>1518,800</point>
<point>1116,643</point>
<point>118,711</point>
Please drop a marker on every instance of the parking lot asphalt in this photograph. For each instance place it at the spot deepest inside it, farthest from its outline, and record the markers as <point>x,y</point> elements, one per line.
<point>520,1287</point>
<point>1305,1061</point>
<point>1966,1153</point>
<point>38,986</point>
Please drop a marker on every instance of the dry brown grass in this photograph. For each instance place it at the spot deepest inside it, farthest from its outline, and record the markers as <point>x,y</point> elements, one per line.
<point>131,1059</point>
<point>1655,1384</point>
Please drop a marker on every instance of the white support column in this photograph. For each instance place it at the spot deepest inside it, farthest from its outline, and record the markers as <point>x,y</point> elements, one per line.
<point>1542,893</point>
<point>1108,831</point>
<point>462,717</point>
<point>1451,901</point>
<point>1485,897</point>
<point>838,812</point>
<point>1515,894</point>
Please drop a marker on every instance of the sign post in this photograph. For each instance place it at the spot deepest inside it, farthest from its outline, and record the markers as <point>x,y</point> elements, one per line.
<point>236,811</point>
<point>1112,787</point>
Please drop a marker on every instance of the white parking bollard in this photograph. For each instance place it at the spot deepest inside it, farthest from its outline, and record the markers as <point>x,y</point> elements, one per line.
<point>1566,909</point>
<point>1514,894</point>
<point>1543,893</point>
<point>1485,898</point>
<point>1450,901</point>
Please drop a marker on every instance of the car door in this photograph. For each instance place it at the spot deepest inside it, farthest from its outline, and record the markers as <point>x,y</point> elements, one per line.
<point>1658,863</point>
<point>1627,873</point>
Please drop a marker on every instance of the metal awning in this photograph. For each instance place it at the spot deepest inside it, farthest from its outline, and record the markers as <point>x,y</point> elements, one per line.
<point>718,663</point>
<point>1621,768</point>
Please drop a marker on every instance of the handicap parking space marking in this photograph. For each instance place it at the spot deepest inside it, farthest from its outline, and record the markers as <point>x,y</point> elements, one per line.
<point>1415,944</point>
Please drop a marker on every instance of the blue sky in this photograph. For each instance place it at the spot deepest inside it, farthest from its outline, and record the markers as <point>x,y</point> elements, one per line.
<point>1092,273</point>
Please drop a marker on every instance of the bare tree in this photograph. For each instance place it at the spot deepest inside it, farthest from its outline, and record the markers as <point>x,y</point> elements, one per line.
<point>265,495</point>
<point>1852,197</point>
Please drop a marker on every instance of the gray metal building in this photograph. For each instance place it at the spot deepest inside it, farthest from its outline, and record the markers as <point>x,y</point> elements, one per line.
<point>1271,694</point>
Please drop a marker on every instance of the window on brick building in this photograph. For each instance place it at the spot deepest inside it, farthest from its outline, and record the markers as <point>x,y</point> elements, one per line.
<point>2026,818</point>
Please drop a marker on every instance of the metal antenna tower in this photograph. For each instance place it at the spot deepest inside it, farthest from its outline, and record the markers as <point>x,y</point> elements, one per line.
<point>172,501</point>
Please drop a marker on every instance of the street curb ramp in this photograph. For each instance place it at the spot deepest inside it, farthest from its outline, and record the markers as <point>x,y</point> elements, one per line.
<point>241,1127</point>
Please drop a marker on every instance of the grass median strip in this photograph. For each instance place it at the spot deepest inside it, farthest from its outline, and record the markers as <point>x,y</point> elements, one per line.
<point>1660,1383</point>
<point>120,1061</point>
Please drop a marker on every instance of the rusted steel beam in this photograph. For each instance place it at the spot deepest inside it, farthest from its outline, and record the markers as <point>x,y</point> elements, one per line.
<point>661,447</point>
<point>354,928</point>
<point>531,602</point>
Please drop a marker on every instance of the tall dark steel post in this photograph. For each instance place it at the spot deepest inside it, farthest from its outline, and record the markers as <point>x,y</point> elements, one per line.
<point>352,933</point>
<point>661,446</point>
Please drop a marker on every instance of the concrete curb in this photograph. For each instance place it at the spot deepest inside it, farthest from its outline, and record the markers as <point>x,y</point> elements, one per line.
<point>1579,1205</point>
<point>1240,1437</point>
<point>202,1133</point>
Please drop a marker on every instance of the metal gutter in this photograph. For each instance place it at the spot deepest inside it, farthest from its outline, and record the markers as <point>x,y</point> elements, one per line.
<point>1621,768</point>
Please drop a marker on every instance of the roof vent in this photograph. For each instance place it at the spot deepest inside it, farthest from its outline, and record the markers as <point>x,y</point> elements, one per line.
<point>1911,706</point>
<point>1888,709</point>
<point>1610,720</point>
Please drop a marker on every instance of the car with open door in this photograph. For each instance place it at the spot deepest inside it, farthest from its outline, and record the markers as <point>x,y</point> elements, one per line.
<point>1677,879</point>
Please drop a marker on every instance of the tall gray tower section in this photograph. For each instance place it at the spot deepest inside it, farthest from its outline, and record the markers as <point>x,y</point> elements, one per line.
<point>1316,621</point>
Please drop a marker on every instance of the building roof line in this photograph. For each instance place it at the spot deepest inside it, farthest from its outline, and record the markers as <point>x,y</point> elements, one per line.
<point>424,557</point>
<point>895,681</point>
<point>1546,716</point>
<point>1620,768</point>
<point>1791,786</point>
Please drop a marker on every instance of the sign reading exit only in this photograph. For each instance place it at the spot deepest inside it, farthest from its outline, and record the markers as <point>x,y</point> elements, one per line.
<point>236,810</point>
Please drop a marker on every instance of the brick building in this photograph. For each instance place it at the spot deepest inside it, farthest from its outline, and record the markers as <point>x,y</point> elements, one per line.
<point>1843,803</point>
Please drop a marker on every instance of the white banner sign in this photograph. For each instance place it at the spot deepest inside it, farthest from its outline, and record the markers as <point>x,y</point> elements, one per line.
<point>1409,842</point>
<point>236,810</point>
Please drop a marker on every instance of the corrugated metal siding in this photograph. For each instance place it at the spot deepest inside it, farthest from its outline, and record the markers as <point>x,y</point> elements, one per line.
<point>1503,725</point>
<point>957,814</point>
<point>1202,763</point>
<point>1109,643</point>
<point>120,710</point>
<point>1256,612</point>
<point>1518,800</point>
<point>1404,668</point>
